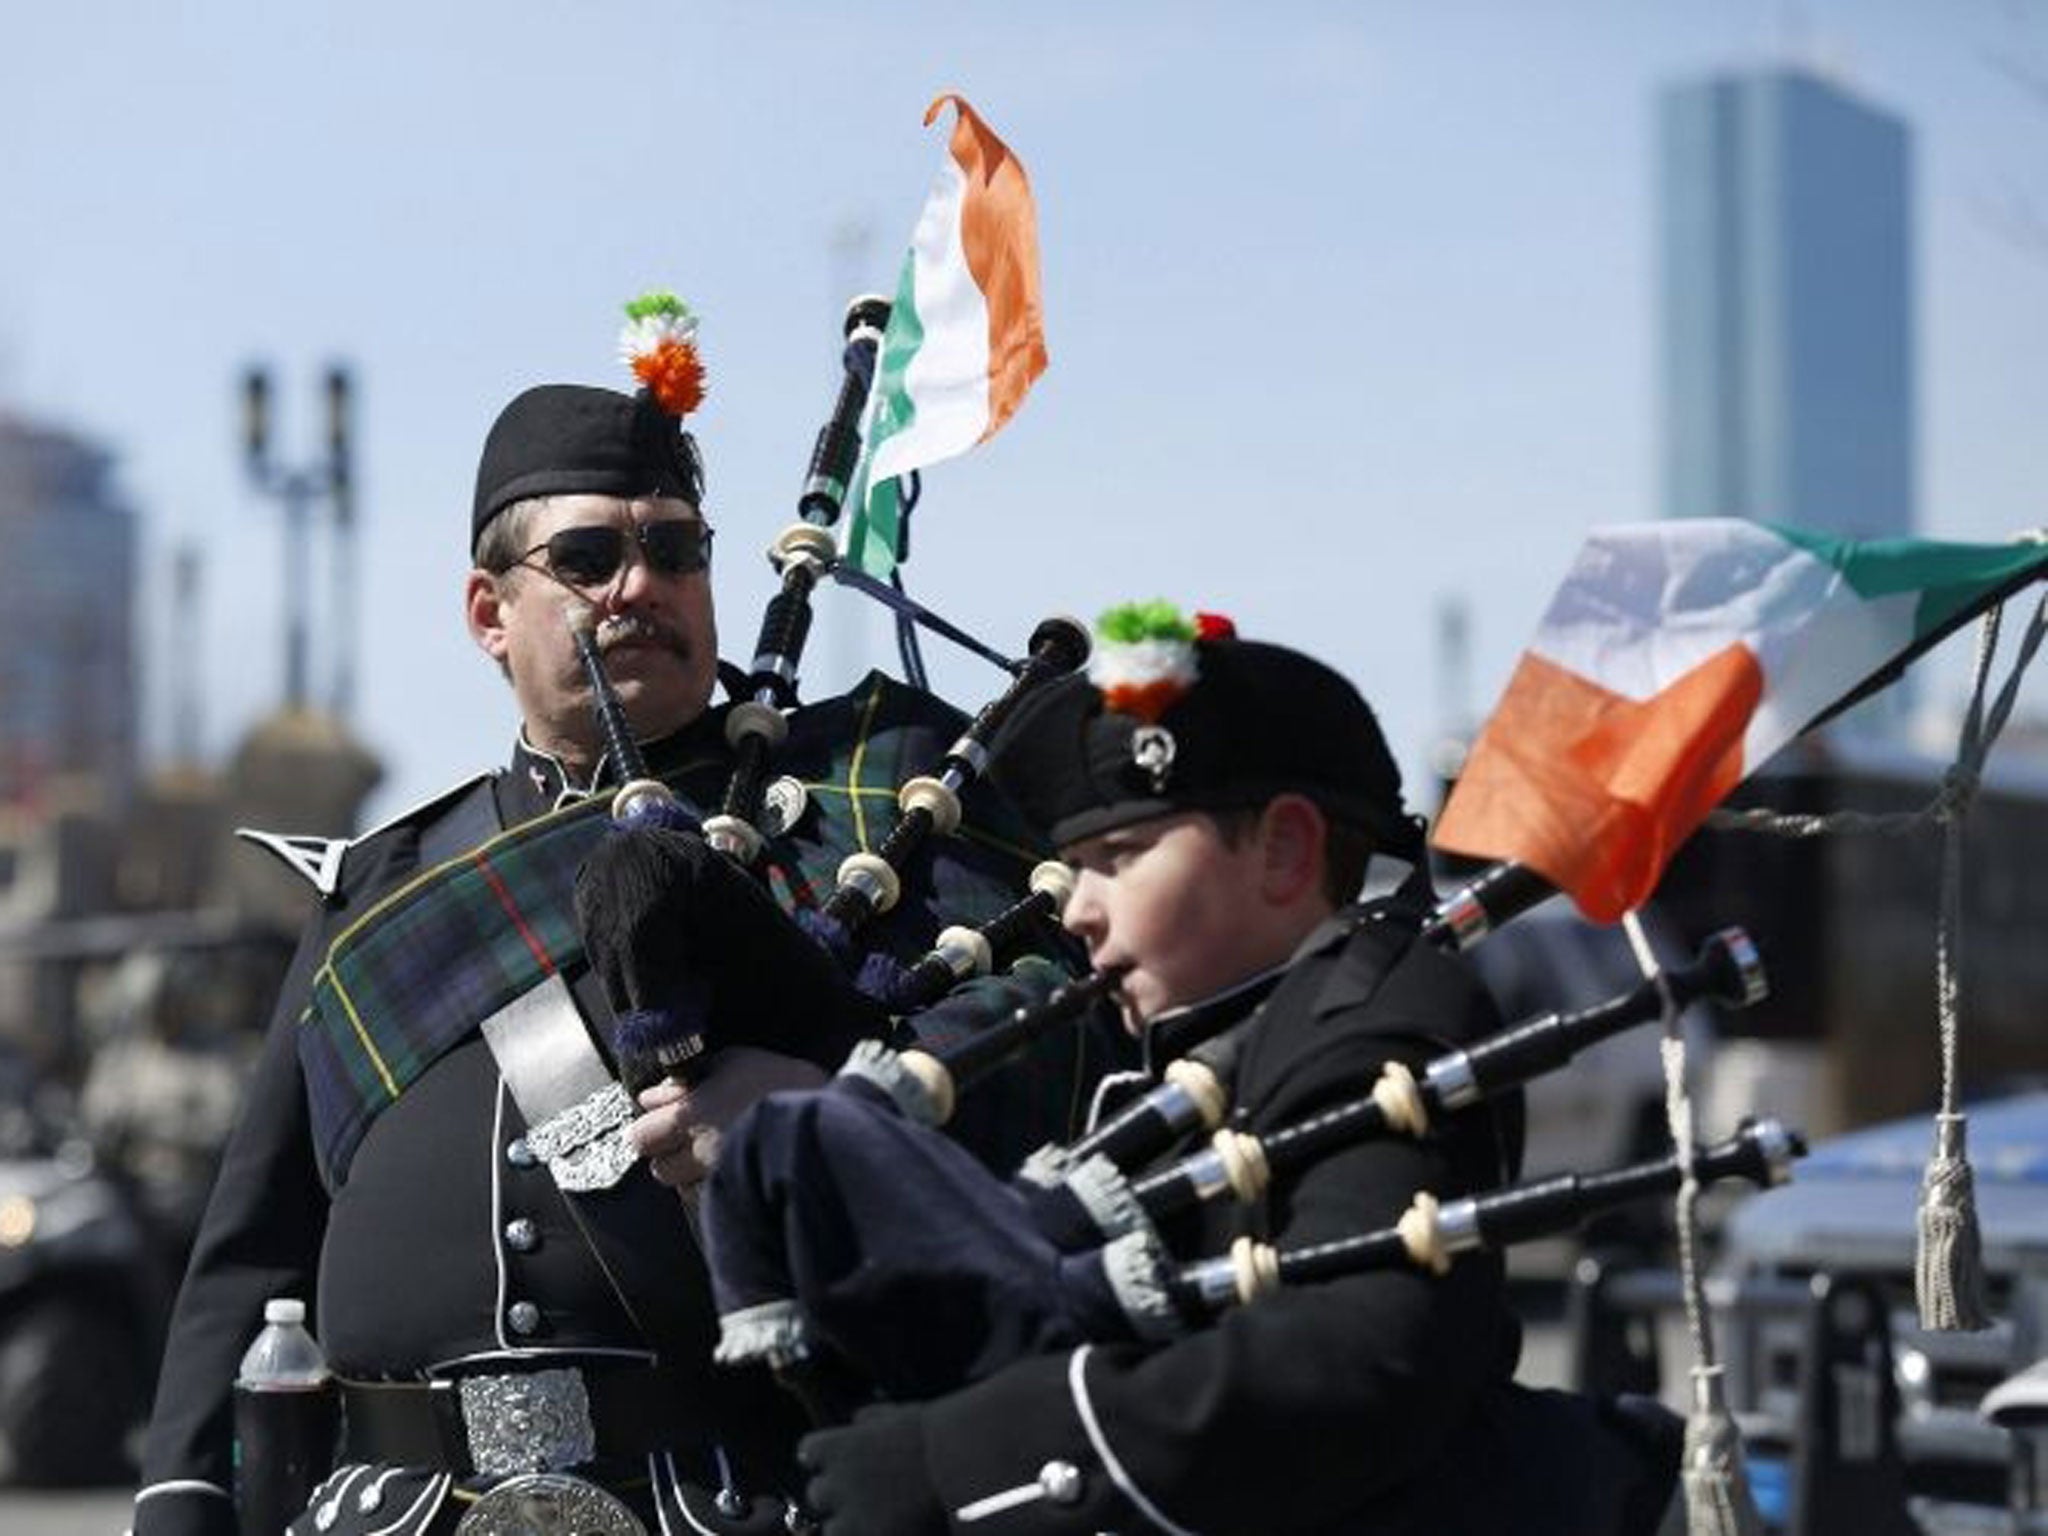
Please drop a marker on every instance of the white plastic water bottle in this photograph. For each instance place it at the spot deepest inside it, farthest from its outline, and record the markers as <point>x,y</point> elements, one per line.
<point>286,1418</point>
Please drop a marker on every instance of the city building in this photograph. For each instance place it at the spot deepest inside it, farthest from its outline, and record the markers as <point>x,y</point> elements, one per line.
<point>1787,304</point>
<point>69,694</point>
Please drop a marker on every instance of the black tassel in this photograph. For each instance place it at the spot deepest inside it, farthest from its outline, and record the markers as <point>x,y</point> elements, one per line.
<point>682,937</point>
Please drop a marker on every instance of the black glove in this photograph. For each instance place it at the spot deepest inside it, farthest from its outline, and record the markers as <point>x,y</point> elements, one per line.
<point>869,1478</point>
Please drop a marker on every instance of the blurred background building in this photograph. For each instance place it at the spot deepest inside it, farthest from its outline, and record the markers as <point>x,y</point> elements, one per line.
<point>1786,264</point>
<point>140,946</point>
<point>69,694</point>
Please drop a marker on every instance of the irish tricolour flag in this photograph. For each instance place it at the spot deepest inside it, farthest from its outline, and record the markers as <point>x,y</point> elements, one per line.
<point>1675,659</point>
<point>966,333</point>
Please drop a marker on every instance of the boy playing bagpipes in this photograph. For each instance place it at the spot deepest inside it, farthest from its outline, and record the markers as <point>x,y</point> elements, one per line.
<point>1218,800</point>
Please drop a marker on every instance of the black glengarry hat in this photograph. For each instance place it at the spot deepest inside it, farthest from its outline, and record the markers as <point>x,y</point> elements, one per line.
<point>571,439</point>
<point>1210,723</point>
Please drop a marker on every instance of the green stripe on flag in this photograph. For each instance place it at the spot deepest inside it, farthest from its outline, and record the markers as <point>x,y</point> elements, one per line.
<point>1950,578</point>
<point>877,527</point>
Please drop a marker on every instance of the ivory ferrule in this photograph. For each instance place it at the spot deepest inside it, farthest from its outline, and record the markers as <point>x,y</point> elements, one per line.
<point>1055,879</point>
<point>870,875</point>
<point>964,951</point>
<point>935,799</point>
<point>803,544</point>
<point>937,1082</point>
<point>734,838</point>
<point>750,718</point>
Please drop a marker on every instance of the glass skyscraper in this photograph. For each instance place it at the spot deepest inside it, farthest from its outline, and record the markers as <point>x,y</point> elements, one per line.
<point>1787,304</point>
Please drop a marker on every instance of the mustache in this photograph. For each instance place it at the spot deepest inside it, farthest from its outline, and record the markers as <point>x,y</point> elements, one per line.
<point>639,629</point>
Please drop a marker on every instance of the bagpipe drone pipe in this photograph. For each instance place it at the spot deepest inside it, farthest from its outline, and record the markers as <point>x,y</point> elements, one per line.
<point>674,924</point>
<point>870,883</point>
<point>1433,1232</point>
<point>674,930</point>
<point>801,553</point>
<point>1193,1094</point>
<point>840,1229</point>
<point>1498,894</point>
<point>1093,1198</point>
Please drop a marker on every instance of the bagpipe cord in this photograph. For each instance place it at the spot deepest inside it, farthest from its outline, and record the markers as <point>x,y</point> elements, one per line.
<point>1718,1500</point>
<point>1948,1268</point>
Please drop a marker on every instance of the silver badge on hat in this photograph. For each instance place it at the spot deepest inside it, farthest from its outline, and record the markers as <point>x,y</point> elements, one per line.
<point>1152,749</point>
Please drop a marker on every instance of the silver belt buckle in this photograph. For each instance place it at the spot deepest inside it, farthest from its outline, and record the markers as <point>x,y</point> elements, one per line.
<point>549,1504</point>
<point>536,1421</point>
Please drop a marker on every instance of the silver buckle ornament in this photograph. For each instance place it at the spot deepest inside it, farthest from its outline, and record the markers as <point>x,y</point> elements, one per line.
<point>536,1421</point>
<point>585,1145</point>
<point>549,1504</point>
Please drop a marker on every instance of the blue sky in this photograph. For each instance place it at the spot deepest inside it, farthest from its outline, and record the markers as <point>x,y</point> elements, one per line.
<point>1350,307</point>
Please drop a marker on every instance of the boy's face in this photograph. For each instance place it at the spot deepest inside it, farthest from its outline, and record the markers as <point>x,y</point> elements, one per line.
<point>1176,902</point>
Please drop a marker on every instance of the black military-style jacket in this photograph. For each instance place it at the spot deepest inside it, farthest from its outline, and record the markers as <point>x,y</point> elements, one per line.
<point>1313,1410</point>
<point>448,1240</point>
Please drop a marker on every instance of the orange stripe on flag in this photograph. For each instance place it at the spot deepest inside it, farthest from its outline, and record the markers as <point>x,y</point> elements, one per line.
<point>1595,791</point>
<point>999,232</point>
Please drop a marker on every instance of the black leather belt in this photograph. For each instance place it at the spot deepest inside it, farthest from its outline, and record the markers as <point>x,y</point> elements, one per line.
<point>499,1423</point>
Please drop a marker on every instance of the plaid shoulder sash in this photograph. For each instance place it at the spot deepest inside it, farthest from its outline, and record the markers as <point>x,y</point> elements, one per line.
<point>409,979</point>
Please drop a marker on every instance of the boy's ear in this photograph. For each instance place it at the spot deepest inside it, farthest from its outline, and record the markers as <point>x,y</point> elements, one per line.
<point>1292,829</point>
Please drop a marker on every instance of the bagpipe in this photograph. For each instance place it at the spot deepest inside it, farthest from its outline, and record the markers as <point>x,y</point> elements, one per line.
<point>679,941</point>
<point>1194,1094</point>
<point>1242,1167</point>
<point>801,553</point>
<point>869,883</point>
<point>847,1241</point>
<point>673,920</point>
<point>1432,1232</point>
<point>1498,894</point>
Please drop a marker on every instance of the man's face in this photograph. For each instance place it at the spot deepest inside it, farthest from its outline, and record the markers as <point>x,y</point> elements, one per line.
<point>656,632</point>
<point>1176,902</point>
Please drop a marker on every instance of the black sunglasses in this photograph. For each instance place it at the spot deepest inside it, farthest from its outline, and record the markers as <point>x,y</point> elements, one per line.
<point>589,557</point>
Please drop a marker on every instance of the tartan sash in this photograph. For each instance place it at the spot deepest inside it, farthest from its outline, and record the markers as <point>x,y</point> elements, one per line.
<point>415,974</point>
<point>425,964</point>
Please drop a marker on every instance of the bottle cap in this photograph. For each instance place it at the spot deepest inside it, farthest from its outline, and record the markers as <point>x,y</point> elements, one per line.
<point>284,1309</point>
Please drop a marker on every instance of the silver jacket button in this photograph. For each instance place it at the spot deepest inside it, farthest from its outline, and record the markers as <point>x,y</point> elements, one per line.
<point>1061,1481</point>
<point>519,1154</point>
<point>371,1499</point>
<point>522,1234</point>
<point>523,1317</point>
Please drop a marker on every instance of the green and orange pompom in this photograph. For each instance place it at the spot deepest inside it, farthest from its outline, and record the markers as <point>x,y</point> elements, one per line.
<point>1144,656</point>
<point>659,344</point>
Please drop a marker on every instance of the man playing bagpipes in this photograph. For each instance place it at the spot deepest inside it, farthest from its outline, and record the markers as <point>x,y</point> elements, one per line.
<point>1219,800</point>
<point>435,1154</point>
